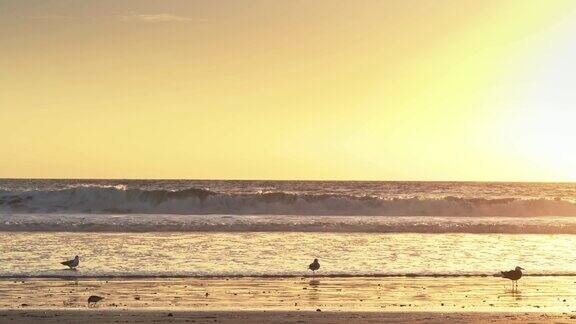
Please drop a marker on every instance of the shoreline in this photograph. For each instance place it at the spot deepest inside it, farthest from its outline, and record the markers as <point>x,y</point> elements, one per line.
<point>77,277</point>
<point>73,276</point>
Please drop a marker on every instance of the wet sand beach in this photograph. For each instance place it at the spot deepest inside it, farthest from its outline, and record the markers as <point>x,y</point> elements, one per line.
<point>290,300</point>
<point>144,316</point>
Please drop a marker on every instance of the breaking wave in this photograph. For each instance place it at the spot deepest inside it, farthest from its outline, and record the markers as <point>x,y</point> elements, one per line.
<point>197,201</point>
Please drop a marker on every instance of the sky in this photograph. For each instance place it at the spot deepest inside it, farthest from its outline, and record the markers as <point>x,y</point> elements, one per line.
<point>471,90</point>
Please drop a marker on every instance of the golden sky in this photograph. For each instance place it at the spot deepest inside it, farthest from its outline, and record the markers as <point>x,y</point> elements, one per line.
<point>261,89</point>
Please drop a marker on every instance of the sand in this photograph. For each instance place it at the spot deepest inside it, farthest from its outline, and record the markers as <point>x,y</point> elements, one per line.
<point>130,316</point>
<point>290,300</point>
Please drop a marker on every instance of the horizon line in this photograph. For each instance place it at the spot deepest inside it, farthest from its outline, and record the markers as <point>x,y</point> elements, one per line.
<point>288,180</point>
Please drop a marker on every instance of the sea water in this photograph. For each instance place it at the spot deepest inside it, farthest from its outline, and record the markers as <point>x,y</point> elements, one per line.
<point>171,228</point>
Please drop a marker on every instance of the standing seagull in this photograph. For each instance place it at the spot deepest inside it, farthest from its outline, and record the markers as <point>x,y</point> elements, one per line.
<point>314,266</point>
<point>72,264</point>
<point>513,275</point>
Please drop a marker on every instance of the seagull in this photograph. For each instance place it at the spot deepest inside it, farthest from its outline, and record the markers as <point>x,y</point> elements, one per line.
<point>72,263</point>
<point>513,275</point>
<point>314,266</point>
<point>94,299</point>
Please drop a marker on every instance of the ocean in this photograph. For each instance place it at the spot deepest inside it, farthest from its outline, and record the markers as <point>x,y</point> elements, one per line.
<point>204,228</point>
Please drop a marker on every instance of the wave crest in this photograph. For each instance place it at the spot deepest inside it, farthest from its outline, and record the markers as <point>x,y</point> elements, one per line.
<point>120,200</point>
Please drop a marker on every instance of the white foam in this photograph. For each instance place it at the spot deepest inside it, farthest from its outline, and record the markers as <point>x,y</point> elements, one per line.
<point>284,223</point>
<point>119,200</point>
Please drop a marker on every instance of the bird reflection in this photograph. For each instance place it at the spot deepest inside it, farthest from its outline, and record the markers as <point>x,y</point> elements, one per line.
<point>517,295</point>
<point>514,293</point>
<point>314,282</point>
<point>314,291</point>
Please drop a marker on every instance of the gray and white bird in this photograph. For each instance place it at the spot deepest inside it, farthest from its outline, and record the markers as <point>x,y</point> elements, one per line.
<point>314,265</point>
<point>513,275</point>
<point>72,263</point>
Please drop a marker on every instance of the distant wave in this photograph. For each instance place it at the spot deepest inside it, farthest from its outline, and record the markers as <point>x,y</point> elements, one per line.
<point>198,201</point>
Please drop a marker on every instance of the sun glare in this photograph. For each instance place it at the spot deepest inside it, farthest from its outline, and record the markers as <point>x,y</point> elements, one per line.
<point>545,137</point>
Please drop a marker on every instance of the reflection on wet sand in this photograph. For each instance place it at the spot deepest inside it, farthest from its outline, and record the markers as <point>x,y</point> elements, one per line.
<point>512,294</point>
<point>550,294</point>
<point>313,292</point>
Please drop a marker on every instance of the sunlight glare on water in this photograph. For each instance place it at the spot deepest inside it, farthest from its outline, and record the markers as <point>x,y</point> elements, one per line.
<point>283,254</point>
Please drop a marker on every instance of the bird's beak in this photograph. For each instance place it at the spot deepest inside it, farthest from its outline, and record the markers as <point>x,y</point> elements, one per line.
<point>521,268</point>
